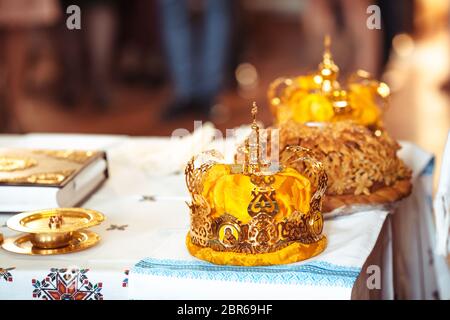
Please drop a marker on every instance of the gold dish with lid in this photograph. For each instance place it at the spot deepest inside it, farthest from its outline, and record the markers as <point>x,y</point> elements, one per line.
<point>53,231</point>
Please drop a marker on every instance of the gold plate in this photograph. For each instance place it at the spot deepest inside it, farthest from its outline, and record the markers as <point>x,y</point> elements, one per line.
<point>38,221</point>
<point>80,240</point>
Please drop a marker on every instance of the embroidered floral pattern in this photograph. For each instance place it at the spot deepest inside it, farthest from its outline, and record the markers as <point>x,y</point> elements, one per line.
<point>67,284</point>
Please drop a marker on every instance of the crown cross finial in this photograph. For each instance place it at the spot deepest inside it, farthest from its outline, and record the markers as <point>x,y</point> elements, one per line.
<point>254,112</point>
<point>252,161</point>
<point>328,62</point>
<point>328,70</point>
<point>327,43</point>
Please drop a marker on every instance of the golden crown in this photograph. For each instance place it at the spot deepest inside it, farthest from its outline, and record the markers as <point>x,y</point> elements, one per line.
<point>252,212</point>
<point>319,97</point>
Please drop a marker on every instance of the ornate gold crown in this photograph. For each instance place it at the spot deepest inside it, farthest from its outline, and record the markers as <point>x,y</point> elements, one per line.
<point>250,213</point>
<point>318,97</point>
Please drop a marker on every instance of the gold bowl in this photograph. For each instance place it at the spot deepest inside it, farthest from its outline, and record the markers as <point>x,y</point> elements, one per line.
<point>51,240</point>
<point>54,228</point>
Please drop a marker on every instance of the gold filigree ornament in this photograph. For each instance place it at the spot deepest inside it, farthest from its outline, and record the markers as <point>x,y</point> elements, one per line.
<point>9,164</point>
<point>319,97</point>
<point>253,212</point>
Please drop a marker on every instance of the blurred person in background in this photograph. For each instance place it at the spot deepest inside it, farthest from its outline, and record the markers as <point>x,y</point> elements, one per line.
<point>397,18</point>
<point>95,40</point>
<point>323,17</point>
<point>140,55</point>
<point>17,19</point>
<point>197,60</point>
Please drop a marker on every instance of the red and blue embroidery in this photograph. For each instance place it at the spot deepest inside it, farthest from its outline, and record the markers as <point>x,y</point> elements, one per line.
<point>125,281</point>
<point>6,275</point>
<point>67,284</point>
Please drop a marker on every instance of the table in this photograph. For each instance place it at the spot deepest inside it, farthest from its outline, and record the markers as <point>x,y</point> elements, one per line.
<point>146,222</point>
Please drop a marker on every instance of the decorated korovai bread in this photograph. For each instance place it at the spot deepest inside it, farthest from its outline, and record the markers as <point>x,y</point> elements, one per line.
<point>342,126</point>
<point>362,166</point>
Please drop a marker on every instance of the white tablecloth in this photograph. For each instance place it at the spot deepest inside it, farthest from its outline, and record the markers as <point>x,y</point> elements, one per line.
<point>331,275</point>
<point>141,233</point>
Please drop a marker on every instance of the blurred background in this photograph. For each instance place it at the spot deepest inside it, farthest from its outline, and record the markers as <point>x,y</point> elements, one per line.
<point>147,67</point>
